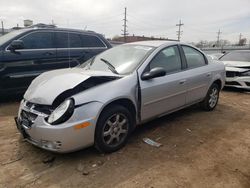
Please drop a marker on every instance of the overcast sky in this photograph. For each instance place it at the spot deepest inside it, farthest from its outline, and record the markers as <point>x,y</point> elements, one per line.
<point>202,19</point>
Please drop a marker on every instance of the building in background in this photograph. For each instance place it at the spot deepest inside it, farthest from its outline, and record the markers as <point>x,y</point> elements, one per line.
<point>27,23</point>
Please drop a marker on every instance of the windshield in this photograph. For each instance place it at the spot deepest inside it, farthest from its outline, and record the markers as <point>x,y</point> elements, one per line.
<point>236,56</point>
<point>123,59</point>
<point>5,38</point>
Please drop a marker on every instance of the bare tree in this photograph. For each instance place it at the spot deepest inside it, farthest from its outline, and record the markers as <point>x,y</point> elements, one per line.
<point>242,42</point>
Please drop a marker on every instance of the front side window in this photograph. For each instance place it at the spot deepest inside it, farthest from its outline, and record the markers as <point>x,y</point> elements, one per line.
<point>194,57</point>
<point>169,59</point>
<point>38,40</point>
<point>68,40</point>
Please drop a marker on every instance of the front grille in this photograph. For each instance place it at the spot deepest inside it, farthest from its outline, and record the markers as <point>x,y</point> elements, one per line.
<point>233,83</point>
<point>232,74</point>
<point>27,118</point>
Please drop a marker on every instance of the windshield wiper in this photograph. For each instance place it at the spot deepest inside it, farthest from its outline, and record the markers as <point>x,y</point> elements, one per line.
<point>110,66</point>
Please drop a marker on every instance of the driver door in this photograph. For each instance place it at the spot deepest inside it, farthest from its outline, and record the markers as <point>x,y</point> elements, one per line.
<point>166,93</point>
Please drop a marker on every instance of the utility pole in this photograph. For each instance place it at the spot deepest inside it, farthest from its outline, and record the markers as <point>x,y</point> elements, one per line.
<point>125,30</point>
<point>2,27</point>
<point>179,32</point>
<point>218,37</point>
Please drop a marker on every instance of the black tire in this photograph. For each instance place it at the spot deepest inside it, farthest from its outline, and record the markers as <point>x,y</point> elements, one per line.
<point>114,128</point>
<point>212,97</point>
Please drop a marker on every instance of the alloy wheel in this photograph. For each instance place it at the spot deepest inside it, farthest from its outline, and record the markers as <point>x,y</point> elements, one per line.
<point>214,95</point>
<point>115,129</point>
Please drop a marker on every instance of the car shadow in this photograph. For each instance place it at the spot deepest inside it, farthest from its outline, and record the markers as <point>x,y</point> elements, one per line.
<point>234,89</point>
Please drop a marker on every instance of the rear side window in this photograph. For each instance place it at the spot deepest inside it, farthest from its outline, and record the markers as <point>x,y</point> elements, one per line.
<point>38,40</point>
<point>68,40</point>
<point>194,57</point>
<point>91,41</point>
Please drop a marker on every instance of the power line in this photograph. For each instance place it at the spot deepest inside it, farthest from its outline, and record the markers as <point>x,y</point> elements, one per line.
<point>179,32</point>
<point>125,30</point>
<point>218,37</point>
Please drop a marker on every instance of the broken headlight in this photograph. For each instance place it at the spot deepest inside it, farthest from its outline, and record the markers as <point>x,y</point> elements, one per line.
<point>246,73</point>
<point>62,113</point>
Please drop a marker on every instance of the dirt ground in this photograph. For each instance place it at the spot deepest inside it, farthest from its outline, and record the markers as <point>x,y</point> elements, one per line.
<point>199,149</point>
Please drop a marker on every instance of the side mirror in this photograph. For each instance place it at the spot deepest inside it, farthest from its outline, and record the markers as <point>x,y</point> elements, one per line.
<point>153,73</point>
<point>16,45</point>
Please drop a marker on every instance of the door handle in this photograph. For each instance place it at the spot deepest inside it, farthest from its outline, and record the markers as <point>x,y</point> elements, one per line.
<point>182,81</point>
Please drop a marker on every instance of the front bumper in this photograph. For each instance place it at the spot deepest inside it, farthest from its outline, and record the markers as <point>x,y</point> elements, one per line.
<point>242,82</point>
<point>64,137</point>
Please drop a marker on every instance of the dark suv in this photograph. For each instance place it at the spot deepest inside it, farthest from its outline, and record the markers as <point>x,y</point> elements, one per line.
<point>26,53</point>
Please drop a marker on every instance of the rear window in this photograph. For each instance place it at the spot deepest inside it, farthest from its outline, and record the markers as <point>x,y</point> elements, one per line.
<point>236,56</point>
<point>91,41</point>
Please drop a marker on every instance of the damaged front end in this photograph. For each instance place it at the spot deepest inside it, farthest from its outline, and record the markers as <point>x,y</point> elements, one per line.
<point>42,110</point>
<point>238,77</point>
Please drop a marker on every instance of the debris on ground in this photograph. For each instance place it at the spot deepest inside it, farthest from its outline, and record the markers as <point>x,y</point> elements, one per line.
<point>151,142</point>
<point>189,130</point>
<point>157,139</point>
<point>49,159</point>
<point>13,160</point>
<point>80,167</point>
<point>201,141</point>
<point>99,163</point>
<point>85,173</point>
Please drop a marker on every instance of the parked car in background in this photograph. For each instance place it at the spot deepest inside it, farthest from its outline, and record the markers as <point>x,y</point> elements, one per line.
<point>237,69</point>
<point>107,96</point>
<point>26,53</point>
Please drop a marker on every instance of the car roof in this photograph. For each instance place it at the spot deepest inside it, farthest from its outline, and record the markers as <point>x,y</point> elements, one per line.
<point>60,29</point>
<point>154,43</point>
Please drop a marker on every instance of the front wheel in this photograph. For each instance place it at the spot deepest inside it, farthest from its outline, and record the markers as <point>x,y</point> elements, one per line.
<point>113,128</point>
<point>211,98</point>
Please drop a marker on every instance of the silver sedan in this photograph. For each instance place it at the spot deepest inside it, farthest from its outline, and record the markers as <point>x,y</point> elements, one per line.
<point>101,101</point>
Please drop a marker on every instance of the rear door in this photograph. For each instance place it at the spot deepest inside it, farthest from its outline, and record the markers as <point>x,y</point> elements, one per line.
<point>198,75</point>
<point>166,93</point>
<point>22,66</point>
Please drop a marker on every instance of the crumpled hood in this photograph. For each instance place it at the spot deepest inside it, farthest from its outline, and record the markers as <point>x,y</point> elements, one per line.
<point>45,88</point>
<point>239,64</point>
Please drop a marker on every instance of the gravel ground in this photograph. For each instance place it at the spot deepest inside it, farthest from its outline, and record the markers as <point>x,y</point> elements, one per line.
<point>199,149</point>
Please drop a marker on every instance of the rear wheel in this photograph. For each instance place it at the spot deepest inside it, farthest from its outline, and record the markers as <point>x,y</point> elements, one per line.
<point>212,98</point>
<point>113,128</point>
